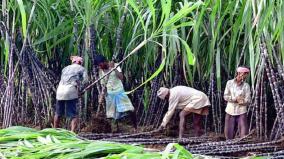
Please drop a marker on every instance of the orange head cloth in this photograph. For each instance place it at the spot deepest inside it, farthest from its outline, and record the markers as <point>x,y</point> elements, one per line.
<point>76,59</point>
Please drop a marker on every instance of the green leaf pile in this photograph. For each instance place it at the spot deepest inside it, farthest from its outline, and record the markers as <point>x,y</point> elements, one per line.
<point>27,143</point>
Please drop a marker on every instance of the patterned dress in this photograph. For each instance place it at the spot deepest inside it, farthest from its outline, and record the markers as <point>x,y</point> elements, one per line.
<point>117,102</point>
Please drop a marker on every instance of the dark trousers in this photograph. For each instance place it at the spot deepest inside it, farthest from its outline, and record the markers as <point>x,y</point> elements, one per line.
<point>231,121</point>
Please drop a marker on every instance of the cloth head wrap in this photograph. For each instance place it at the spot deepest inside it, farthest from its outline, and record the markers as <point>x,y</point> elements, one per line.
<point>76,59</point>
<point>163,92</point>
<point>243,69</point>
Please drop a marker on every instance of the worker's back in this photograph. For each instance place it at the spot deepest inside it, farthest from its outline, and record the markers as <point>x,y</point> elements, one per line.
<point>67,88</point>
<point>185,95</point>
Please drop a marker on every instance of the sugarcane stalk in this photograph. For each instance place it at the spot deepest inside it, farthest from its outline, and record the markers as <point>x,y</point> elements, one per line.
<point>118,54</point>
<point>94,53</point>
<point>256,105</point>
<point>159,117</point>
<point>8,111</point>
<point>102,97</point>
<point>19,97</point>
<point>220,101</point>
<point>154,141</point>
<point>279,65</point>
<point>138,134</point>
<point>279,154</point>
<point>156,85</point>
<point>222,149</point>
<point>95,136</point>
<point>220,143</point>
<point>80,105</point>
<point>149,113</point>
<point>265,110</point>
<point>42,87</point>
<point>261,109</point>
<point>275,83</point>
<point>23,101</point>
<point>213,97</point>
<point>275,92</point>
<point>141,104</point>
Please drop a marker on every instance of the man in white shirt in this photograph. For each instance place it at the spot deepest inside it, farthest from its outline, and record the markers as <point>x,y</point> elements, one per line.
<point>67,91</point>
<point>188,100</point>
<point>237,94</point>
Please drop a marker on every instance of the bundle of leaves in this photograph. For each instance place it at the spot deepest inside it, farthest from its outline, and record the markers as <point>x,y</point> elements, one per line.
<point>21,142</point>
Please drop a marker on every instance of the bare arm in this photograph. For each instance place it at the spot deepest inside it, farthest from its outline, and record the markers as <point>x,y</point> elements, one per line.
<point>119,74</point>
<point>172,106</point>
<point>118,71</point>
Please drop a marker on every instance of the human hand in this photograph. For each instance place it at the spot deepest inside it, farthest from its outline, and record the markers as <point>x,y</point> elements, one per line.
<point>111,64</point>
<point>240,99</point>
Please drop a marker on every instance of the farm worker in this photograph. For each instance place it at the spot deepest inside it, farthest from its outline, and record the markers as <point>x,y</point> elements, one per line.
<point>188,100</point>
<point>67,91</point>
<point>118,105</point>
<point>237,94</point>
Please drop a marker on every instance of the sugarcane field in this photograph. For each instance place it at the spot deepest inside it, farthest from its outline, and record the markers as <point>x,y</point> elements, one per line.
<point>142,79</point>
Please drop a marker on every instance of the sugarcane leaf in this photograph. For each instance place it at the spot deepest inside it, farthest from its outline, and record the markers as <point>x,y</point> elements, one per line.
<point>166,10</point>
<point>28,144</point>
<point>159,70</point>
<point>182,13</point>
<point>23,16</point>
<point>166,152</point>
<point>190,56</point>
<point>153,12</point>
<point>42,140</point>
<point>183,151</point>
<point>48,139</point>
<point>7,50</point>
<point>134,149</point>
<point>16,130</point>
<point>136,9</point>
<point>66,26</point>
<point>184,24</point>
<point>61,40</point>
<point>55,140</point>
<point>176,154</point>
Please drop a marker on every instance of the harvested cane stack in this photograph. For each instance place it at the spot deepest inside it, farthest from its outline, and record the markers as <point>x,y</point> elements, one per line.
<point>2,85</point>
<point>41,85</point>
<point>216,99</point>
<point>35,81</point>
<point>267,76</point>
<point>230,147</point>
<point>7,98</point>
<point>152,114</point>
